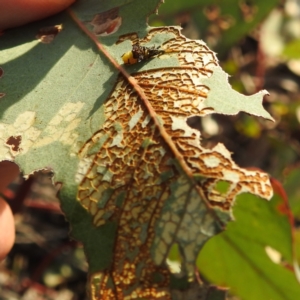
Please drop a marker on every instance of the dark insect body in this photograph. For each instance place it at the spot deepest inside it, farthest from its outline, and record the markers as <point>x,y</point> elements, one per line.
<point>140,53</point>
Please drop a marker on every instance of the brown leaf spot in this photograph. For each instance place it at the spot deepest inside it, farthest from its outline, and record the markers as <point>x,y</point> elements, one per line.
<point>107,22</point>
<point>14,142</point>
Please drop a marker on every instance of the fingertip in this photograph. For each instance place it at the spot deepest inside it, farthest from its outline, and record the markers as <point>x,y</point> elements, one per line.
<point>7,229</point>
<point>19,12</point>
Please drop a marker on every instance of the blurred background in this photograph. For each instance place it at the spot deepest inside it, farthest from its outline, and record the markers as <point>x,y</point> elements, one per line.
<point>258,45</point>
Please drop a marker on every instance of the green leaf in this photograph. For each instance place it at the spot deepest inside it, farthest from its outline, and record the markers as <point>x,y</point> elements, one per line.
<point>293,190</point>
<point>249,104</point>
<point>135,176</point>
<point>242,258</point>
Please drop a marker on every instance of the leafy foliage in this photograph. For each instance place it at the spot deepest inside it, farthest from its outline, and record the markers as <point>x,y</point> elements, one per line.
<point>221,24</point>
<point>136,178</point>
<point>257,245</point>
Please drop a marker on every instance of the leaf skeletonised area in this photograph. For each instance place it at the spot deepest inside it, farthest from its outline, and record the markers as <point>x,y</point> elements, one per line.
<point>135,182</point>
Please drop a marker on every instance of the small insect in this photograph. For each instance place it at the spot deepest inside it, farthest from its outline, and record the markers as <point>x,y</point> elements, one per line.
<point>140,53</point>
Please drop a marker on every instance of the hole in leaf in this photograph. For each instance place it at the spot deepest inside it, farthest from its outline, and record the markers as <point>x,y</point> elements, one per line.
<point>47,34</point>
<point>195,122</point>
<point>174,259</point>
<point>207,127</point>
<point>222,187</point>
